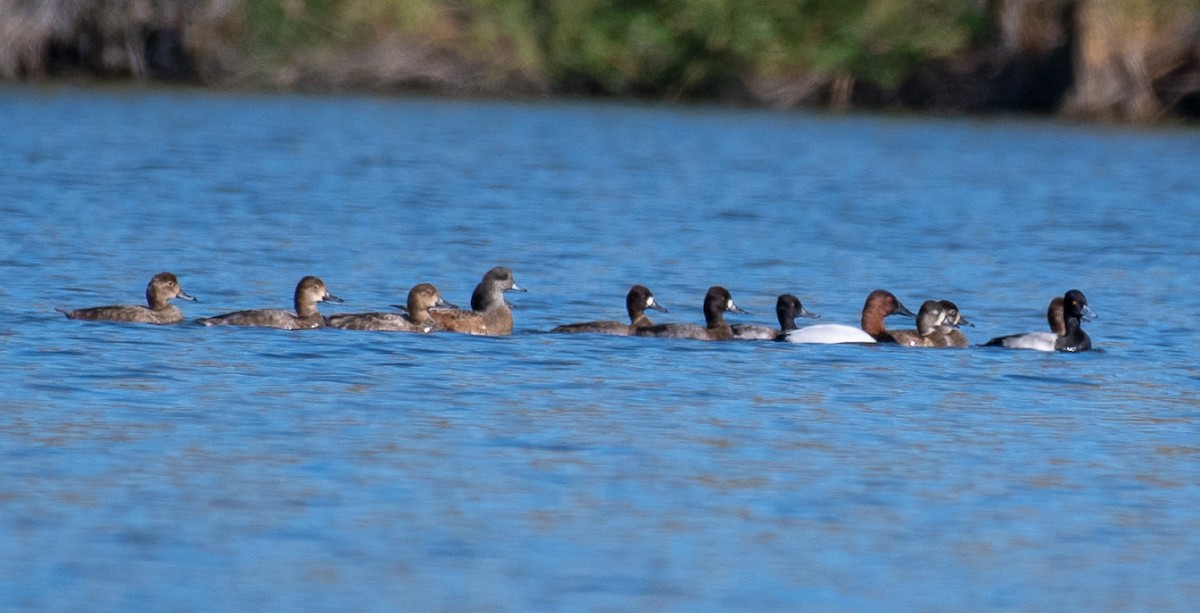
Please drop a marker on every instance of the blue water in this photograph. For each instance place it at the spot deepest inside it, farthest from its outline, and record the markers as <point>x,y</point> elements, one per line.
<point>190,468</point>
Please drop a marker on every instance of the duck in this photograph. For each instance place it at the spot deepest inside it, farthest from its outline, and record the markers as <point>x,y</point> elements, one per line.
<point>948,333</point>
<point>879,304</point>
<point>930,318</point>
<point>637,301</point>
<point>716,302</point>
<point>421,298</point>
<point>787,309</point>
<point>309,291</point>
<point>1042,341</point>
<point>489,314</point>
<point>1075,310</point>
<point>162,288</point>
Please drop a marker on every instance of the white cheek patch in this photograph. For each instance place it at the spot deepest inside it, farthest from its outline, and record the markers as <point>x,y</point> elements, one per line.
<point>650,301</point>
<point>729,306</point>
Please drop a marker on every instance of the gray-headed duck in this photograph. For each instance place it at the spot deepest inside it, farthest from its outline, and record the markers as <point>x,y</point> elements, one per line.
<point>309,291</point>
<point>489,314</point>
<point>716,302</point>
<point>880,304</point>
<point>637,301</point>
<point>787,309</point>
<point>161,289</point>
<point>948,333</point>
<point>930,318</point>
<point>421,298</point>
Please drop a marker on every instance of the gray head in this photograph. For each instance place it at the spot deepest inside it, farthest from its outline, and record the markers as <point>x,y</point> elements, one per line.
<point>930,317</point>
<point>495,282</point>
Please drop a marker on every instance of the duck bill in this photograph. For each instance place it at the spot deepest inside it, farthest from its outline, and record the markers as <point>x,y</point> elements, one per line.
<point>733,308</point>
<point>807,313</point>
<point>442,304</point>
<point>332,298</point>
<point>1088,314</point>
<point>963,322</point>
<point>903,310</point>
<point>657,307</point>
<point>185,296</point>
<point>516,288</point>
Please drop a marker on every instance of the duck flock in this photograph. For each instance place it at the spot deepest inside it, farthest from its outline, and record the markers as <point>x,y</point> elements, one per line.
<point>938,321</point>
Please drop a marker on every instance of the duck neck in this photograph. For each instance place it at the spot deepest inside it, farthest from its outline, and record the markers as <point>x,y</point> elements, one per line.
<point>872,324</point>
<point>640,320</point>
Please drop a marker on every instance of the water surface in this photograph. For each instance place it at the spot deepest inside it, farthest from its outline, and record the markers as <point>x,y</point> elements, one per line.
<point>189,468</point>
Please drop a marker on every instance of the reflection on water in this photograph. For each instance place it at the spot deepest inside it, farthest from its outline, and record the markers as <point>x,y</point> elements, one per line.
<point>191,468</point>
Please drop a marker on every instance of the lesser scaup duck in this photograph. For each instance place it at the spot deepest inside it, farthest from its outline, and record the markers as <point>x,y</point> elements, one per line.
<point>787,309</point>
<point>716,302</point>
<point>309,291</point>
<point>933,318</point>
<point>1037,341</point>
<point>421,298</point>
<point>948,334</point>
<point>1062,336</point>
<point>880,304</point>
<point>489,314</point>
<point>161,289</point>
<point>637,301</point>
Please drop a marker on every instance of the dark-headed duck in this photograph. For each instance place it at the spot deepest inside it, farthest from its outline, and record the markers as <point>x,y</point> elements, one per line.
<point>1062,336</point>
<point>716,302</point>
<point>787,309</point>
<point>161,289</point>
<point>637,301</point>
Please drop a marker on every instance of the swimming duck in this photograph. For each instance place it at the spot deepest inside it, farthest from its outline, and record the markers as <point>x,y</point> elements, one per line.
<point>787,309</point>
<point>1037,341</point>
<point>948,334</point>
<point>309,291</point>
<point>716,302</point>
<point>1062,335</point>
<point>880,304</point>
<point>930,318</point>
<point>489,314</point>
<point>637,301</point>
<point>421,298</point>
<point>161,289</point>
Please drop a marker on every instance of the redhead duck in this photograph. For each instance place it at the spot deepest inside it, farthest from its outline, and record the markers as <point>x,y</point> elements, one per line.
<point>421,298</point>
<point>637,301</point>
<point>787,309</point>
<point>880,304</point>
<point>1056,317</point>
<point>309,291</point>
<point>489,314</point>
<point>161,289</point>
<point>716,302</point>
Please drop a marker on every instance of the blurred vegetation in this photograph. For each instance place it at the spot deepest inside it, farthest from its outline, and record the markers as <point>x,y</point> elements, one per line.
<point>922,53</point>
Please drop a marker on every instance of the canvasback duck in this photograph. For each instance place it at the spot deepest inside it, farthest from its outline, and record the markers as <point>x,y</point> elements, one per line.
<point>787,309</point>
<point>637,301</point>
<point>948,333</point>
<point>161,289</point>
<point>716,302</point>
<point>489,314</point>
<point>421,298</point>
<point>309,291</point>
<point>1063,316</point>
<point>879,304</point>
